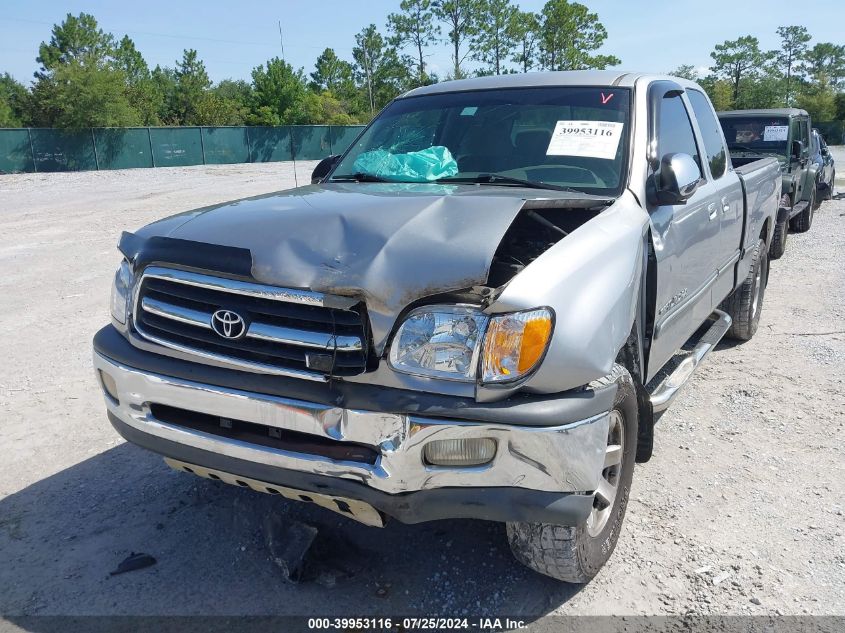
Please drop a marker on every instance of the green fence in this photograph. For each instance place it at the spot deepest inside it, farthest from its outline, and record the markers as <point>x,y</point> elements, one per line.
<point>45,149</point>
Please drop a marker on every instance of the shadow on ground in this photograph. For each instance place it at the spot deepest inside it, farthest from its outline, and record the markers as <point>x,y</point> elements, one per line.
<point>60,538</point>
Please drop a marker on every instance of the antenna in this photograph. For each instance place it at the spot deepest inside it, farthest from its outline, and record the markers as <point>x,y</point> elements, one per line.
<point>292,147</point>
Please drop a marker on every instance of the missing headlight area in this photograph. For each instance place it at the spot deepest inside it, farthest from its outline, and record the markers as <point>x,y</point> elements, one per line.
<point>540,225</point>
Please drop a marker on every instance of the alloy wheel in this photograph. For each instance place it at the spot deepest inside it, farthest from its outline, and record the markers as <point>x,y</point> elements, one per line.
<point>608,488</point>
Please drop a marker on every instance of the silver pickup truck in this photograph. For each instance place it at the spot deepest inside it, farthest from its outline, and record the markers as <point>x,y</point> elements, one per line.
<point>478,311</point>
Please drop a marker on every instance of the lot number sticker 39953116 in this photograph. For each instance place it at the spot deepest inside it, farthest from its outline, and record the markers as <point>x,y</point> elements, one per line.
<point>591,139</point>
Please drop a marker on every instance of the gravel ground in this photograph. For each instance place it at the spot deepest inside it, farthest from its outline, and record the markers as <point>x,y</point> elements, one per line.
<point>739,512</point>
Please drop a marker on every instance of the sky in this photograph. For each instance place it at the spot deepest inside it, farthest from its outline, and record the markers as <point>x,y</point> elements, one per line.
<point>232,37</point>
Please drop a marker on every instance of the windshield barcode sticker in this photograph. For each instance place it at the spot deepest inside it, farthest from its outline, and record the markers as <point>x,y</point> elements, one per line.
<point>775,133</point>
<point>591,139</point>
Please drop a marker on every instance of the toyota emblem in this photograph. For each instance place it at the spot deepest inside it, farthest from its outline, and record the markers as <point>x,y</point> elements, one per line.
<point>228,324</point>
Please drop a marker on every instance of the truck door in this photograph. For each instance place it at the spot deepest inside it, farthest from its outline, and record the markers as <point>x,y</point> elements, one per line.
<point>723,185</point>
<point>800,131</point>
<point>685,236</point>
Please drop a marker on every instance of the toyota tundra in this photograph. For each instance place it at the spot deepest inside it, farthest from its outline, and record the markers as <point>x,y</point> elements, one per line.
<point>479,310</point>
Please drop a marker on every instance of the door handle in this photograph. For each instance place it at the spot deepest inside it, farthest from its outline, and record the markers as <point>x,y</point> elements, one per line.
<point>725,206</point>
<point>712,210</point>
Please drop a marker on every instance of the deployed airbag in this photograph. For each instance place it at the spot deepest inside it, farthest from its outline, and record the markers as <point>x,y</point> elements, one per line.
<point>422,166</point>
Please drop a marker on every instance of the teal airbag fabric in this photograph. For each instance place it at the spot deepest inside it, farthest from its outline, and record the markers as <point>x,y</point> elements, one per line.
<point>426,165</point>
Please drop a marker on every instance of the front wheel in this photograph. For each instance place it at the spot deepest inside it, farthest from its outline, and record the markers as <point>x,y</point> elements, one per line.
<point>576,554</point>
<point>804,220</point>
<point>778,246</point>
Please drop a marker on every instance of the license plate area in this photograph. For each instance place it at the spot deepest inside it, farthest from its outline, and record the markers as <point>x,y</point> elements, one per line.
<point>350,508</point>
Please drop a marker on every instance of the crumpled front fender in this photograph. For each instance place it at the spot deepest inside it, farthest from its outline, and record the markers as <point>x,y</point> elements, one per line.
<point>592,280</point>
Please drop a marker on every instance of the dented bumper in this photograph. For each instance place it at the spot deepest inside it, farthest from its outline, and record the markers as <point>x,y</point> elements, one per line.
<point>537,473</point>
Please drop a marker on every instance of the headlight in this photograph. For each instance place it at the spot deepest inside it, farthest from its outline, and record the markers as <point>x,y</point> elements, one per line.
<point>446,342</point>
<point>514,344</point>
<point>121,290</point>
<point>439,341</point>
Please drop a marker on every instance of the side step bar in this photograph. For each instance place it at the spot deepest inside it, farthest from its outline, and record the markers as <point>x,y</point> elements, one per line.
<point>669,388</point>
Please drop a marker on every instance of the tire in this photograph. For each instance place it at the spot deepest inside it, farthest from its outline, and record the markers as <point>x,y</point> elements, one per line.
<point>576,554</point>
<point>820,197</point>
<point>802,222</point>
<point>778,246</point>
<point>830,192</point>
<point>746,302</point>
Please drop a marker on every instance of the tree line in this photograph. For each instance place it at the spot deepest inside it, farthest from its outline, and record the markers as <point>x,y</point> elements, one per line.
<point>799,73</point>
<point>89,78</point>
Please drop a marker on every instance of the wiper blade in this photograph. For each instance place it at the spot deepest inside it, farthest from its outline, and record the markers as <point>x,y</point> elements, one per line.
<point>359,176</point>
<point>497,179</point>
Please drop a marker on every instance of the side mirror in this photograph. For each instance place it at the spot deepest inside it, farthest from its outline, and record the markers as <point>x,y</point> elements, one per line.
<point>797,150</point>
<point>676,180</point>
<point>825,151</point>
<point>323,168</point>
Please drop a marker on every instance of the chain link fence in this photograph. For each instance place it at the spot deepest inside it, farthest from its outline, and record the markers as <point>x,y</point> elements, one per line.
<point>50,150</point>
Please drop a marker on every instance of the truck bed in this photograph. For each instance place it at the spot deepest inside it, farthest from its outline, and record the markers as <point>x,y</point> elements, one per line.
<point>748,168</point>
<point>761,184</point>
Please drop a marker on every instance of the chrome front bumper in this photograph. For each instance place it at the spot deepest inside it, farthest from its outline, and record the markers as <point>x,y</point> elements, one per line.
<point>565,459</point>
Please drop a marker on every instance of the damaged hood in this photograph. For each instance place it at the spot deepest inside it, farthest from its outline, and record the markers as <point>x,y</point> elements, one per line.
<point>388,244</point>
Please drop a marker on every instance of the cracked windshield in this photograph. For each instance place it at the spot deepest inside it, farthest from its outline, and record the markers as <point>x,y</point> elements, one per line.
<point>555,138</point>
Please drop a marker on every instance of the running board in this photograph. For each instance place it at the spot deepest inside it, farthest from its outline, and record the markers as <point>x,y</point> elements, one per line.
<point>669,388</point>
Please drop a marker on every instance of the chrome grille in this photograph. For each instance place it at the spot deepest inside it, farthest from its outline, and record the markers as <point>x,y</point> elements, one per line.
<point>289,332</point>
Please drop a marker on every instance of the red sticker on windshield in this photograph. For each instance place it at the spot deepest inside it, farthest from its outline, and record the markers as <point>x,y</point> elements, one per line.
<point>606,98</point>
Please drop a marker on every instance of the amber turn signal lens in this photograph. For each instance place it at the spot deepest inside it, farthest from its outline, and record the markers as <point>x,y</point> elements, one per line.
<point>534,339</point>
<point>515,343</point>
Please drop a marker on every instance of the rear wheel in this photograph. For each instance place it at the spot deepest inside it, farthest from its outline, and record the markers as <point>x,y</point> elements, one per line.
<point>746,302</point>
<point>576,554</point>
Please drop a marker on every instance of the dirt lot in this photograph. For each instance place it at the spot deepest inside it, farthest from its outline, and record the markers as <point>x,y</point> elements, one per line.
<point>739,512</point>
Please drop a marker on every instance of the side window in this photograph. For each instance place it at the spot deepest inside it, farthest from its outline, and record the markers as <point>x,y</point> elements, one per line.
<point>714,147</point>
<point>674,130</point>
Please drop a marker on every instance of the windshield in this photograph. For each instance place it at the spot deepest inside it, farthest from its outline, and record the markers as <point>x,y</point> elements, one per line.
<point>756,135</point>
<point>557,137</point>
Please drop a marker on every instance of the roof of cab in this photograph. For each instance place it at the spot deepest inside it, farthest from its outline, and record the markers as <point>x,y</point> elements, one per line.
<point>765,112</point>
<point>531,80</point>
